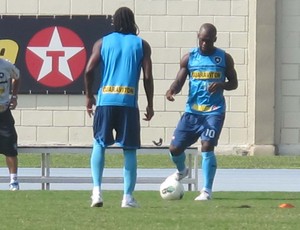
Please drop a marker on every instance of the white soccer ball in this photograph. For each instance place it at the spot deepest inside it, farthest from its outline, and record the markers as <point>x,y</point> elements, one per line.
<point>171,189</point>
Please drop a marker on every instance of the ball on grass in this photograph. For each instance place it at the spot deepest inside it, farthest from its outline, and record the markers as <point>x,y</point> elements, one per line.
<point>171,189</point>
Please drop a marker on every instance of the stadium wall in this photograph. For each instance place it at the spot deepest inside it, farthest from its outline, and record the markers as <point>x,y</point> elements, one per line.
<point>246,29</point>
<point>288,77</point>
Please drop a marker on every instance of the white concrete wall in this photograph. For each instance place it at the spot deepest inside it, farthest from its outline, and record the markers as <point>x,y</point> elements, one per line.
<point>288,77</point>
<point>170,26</point>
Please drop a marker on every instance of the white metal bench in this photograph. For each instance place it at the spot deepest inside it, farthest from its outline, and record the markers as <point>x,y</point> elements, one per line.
<point>45,179</point>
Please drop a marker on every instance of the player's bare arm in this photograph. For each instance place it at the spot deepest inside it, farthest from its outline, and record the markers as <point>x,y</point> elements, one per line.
<point>15,88</point>
<point>148,80</point>
<point>231,75</point>
<point>232,82</point>
<point>89,76</point>
<point>180,79</point>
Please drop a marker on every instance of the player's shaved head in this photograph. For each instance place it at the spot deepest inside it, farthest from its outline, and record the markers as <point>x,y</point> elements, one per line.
<point>207,36</point>
<point>208,29</point>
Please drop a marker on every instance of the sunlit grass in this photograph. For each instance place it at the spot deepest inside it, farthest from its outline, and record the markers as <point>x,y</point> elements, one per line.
<point>70,210</point>
<point>159,161</point>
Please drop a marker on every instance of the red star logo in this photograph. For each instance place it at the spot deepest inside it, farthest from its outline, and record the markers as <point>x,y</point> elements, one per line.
<point>55,56</point>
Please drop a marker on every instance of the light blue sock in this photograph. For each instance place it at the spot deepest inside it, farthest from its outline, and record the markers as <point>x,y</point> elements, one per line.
<point>97,163</point>
<point>129,171</point>
<point>209,167</point>
<point>179,161</point>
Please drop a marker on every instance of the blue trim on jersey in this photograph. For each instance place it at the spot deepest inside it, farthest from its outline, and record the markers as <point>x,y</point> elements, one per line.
<point>204,70</point>
<point>121,61</point>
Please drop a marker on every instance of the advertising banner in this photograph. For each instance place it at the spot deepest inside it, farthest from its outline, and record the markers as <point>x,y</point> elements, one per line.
<point>51,52</point>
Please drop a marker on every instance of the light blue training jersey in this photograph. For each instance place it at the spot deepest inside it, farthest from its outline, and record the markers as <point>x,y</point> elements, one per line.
<point>204,70</point>
<point>121,61</point>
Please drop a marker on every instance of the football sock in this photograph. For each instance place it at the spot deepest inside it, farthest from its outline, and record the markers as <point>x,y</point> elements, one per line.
<point>209,167</point>
<point>96,191</point>
<point>13,177</point>
<point>179,161</point>
<point>129,171</point>
<point>127,197</point>
<point>97,163</point>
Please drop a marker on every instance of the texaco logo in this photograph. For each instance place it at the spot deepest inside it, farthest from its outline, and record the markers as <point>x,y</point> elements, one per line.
<point>55,56</point>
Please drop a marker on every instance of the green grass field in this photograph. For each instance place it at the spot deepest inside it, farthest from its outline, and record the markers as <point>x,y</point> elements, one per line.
<point>159,161</point>
<point>70,210</point>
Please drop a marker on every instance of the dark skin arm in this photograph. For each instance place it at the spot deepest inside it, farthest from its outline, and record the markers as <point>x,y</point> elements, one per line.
<point>15,88</point>
<point>148,80</point>
<point>89,76</point>
<point>231,83</point>
<point>182,74</point>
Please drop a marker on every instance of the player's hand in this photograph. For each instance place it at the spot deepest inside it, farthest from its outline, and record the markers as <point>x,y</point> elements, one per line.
<point>170,95</point>
<point>90,101</point>
<point>13,103</point>
<point>149,113</point>
<point>213,87</point>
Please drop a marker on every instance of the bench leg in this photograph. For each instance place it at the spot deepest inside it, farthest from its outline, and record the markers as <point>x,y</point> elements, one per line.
<point>45,169</point>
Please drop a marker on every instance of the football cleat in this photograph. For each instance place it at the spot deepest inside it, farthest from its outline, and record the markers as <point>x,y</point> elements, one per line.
<point>97,201</point>
<point>14,186</point>
<point>132,203</point>
<point>204,195</point>
<point>179,175</point>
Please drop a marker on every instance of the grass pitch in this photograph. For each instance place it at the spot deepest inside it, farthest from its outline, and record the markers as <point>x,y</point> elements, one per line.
<point>159,161</point>
<point>70,210</point>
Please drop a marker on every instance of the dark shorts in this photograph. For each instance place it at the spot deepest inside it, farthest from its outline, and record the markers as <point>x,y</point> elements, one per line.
<point>117,125</point>
<point>191,127</point>
<point>8,134</point>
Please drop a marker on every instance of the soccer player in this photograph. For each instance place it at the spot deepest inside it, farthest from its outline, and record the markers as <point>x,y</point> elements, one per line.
<point>9,80</point>
<point>121,56</point>
<point>210,71</point>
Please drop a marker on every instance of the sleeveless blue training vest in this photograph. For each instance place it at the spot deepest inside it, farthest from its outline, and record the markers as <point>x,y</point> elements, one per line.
<point>204,70</point>
<point>121,60</point>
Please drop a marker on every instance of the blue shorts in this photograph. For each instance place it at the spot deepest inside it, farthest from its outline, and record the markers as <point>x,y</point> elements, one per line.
<point>191,127</point>
<point>125,121</point>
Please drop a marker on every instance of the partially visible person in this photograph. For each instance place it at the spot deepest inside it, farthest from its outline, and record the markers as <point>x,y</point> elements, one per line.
<point>9,81</point>
<point>121,55</point>
<point>210,71</point>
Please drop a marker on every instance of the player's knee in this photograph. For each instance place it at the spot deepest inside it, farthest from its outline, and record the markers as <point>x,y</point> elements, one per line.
<point>175,151</point>
<point>207,146</point>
